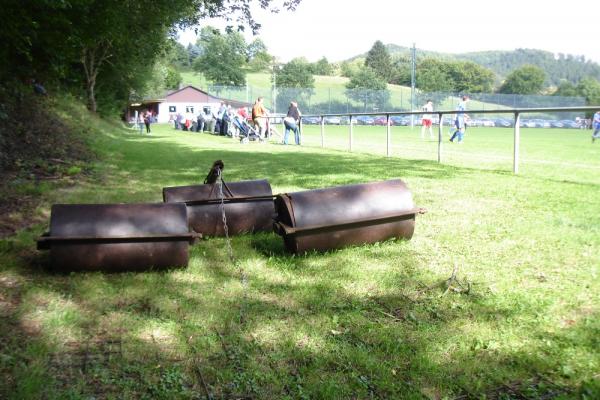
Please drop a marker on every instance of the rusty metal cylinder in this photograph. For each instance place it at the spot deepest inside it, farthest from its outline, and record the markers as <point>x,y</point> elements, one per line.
<point>340,216</point>
<point>248,206</point>
<point>117,237</point>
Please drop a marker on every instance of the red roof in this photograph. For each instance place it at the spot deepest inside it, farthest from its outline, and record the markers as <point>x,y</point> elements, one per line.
<point>190,94</point>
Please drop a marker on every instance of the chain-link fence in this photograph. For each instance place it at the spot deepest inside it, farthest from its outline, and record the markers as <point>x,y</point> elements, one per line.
<point>338,100</point>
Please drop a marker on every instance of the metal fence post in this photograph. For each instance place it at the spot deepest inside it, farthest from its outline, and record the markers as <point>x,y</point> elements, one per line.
<point>350,133</point>
<point>440,136</point>
<point>517,139</point>
<point>388,136</point>
<point>322,131</point>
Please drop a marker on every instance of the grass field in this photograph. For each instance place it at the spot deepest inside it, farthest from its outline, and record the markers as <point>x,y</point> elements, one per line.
<point>373,321</point>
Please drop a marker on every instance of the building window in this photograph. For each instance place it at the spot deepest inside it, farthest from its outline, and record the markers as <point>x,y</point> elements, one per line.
<point>189,109</point>
<point>172,108</point>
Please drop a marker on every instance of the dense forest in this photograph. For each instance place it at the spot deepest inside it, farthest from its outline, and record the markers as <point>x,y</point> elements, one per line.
<point>559,68</point>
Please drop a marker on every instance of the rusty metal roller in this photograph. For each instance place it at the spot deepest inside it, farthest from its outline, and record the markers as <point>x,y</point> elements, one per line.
<point>345,215</point>
<point>117,237</point>
<point>248,206</point>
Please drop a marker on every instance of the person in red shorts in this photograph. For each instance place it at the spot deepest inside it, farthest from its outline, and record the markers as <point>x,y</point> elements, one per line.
<point>426,119</point>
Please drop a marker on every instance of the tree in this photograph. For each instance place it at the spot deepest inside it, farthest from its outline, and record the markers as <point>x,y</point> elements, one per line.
<point>259,58</point>
<point>379,60</point>
<point>350,68</point>
<point>469,77</point>
<point>224,59</point>
<point>368,87</point>
<point>401,74</point>
<point>434,76</point>
<point>566,89</point>
<point>193,52</point>
<point>295,74</point>
<point>528,79</point>
<point>322,67</point>
<point>590,89</point>
<point>107,47</point>
<point>297,80</point>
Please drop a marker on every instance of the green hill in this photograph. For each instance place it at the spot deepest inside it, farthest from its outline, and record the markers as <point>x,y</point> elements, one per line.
<point>327,89</point>
<point>562,67</point>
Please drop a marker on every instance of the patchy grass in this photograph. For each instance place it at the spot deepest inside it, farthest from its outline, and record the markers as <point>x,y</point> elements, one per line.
<point>374,321</point>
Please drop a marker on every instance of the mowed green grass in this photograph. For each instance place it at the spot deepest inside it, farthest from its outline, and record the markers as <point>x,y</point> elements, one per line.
<point>555,154</point>
<point>372,321</point>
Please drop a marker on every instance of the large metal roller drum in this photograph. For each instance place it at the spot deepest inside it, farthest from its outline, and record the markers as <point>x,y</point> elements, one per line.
<point>248,206</point>
<point>117,237</point>
<point>345,215</point>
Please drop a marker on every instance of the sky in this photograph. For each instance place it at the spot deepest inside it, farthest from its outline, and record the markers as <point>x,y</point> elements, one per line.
<point>339,29</point>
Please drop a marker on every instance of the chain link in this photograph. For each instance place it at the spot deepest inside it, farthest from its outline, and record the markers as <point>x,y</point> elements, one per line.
<point>224,216</point>
<point>243,276</point>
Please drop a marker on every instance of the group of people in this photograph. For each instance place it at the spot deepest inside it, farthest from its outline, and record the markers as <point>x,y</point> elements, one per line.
<point>208,120</point>
<point>227,121</point>
<point>459,120</point>
<point>291,122</point>
<point>144,119</point>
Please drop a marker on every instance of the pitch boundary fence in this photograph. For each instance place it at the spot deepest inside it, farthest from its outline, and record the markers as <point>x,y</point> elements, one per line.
<point>515,112</point>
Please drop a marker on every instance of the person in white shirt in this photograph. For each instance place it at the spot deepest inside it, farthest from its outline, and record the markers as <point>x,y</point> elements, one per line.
<point>426,120</point>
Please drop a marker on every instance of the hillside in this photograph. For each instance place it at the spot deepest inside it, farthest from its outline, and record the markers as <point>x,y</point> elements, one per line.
<point>558,68</point>
<point>327,89</point>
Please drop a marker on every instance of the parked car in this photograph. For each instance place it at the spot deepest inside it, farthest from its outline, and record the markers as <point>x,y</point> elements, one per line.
<point>380,121</point>
<point>503,122</point>
<point>311,120</point>
<point>527,123</point>
<point>556,124</point>
<point>400,120</point>
<point>365,120</point>
<point>333,120</point>
<point>569,123</point>
<point>541,123</point>
<point>487,122</point>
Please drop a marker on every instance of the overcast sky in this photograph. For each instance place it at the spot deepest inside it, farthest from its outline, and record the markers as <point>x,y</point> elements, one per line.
<point>340,29</point>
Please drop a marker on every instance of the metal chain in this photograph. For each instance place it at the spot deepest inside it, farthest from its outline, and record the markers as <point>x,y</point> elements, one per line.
<point>243,276</point>
<point>223,216</point>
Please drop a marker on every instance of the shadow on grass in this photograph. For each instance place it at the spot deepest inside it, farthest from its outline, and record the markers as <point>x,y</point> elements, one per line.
<point>296,329</point>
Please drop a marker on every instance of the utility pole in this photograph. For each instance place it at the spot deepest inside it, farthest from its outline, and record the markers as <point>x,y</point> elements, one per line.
<point>413,72</point>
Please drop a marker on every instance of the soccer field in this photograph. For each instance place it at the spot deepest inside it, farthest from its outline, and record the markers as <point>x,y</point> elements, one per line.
<point>374,321</point>
<point>552,153</point>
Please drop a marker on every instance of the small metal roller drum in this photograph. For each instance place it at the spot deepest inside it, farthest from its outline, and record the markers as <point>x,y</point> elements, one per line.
<point>248,206</point>
<point>117,237</point>
<point>340,216</point>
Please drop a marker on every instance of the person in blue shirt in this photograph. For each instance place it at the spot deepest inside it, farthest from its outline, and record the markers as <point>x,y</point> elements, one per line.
<point>596,123</point>
<point>459,122</point>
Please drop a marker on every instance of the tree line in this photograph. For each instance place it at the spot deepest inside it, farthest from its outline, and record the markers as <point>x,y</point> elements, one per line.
<point>224,59</point>
<point>106,51</point>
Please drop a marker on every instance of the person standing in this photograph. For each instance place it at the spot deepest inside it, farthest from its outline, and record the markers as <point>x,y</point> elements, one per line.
<point>596,124</point>
<point>219,118</point>
<point>140,122</point>
<point>459,122</point>
<point>292,122</point>
<point>426,119</point>
<point>147,120</point>
<point>259,117</point>
<point>200,121</point>
<point>225,120</point>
